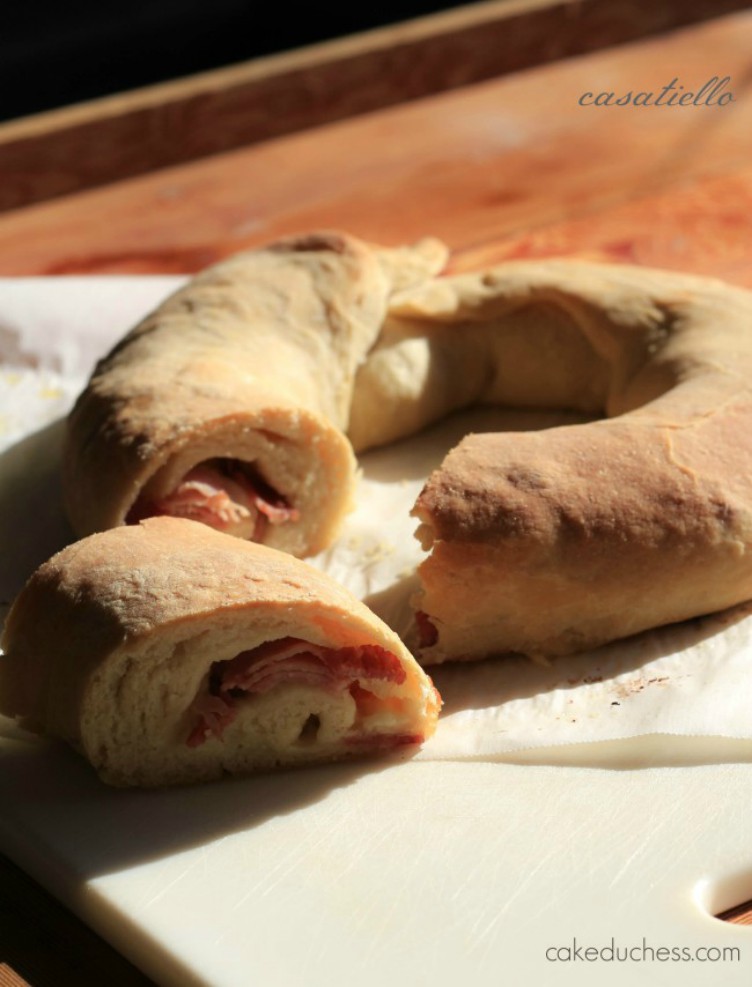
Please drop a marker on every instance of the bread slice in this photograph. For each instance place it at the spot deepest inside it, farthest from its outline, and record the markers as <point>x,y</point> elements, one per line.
<point>169,653</point>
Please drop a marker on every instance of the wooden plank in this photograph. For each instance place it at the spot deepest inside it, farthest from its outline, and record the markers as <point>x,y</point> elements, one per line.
<point>495,169</point>
<point>61,152</point>
<point>9,978</point>
<point>740,915</point>
<point>701,226</point>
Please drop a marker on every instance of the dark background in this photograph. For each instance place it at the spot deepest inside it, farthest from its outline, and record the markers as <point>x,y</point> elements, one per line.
<point>52,55</point>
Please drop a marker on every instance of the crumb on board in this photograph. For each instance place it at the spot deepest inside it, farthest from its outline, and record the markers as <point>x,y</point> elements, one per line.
<point>626,689</point>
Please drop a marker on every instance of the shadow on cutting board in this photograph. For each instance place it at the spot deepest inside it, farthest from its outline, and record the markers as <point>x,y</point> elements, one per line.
<point>50,796</point>
<point>53,802</point>
<point>651,750</point>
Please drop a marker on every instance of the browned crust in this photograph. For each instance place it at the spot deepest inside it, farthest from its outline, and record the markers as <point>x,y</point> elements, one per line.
<point>266,341</point>
<point>122,587</point>
<point>578,535</point>
<point>593,517</point>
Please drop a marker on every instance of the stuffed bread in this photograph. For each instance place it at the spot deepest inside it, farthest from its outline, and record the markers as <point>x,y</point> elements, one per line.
<point>168,653</point>
<point>228,404</point>
<point>547,543</point>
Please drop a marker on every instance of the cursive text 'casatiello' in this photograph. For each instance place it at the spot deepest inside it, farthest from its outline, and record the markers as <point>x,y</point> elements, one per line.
<point>712,93</point>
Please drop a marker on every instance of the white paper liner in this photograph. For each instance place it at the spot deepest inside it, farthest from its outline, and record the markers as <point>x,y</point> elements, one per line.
<point>690,680</point>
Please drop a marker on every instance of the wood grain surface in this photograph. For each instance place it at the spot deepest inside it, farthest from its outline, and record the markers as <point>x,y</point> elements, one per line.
<point>109,139</point>
<point>513,167</point>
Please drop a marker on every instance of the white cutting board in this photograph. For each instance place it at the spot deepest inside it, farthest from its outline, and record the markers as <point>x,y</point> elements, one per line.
<point>387,873</point>
<point>398,873</point>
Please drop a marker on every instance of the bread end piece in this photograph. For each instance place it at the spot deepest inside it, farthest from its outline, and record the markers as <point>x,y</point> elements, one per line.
<point>121,643</point>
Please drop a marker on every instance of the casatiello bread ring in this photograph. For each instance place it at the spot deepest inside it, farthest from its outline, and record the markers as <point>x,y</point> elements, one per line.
<point>168,653</point>
<point>543,543</point>
<point>227,405</point>
<point>550,542</point>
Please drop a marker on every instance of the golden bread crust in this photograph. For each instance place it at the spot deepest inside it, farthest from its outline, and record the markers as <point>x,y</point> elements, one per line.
<point>254,359</point>
<point>149,608</point>
<point>540,543</point>
<point>581,534</point>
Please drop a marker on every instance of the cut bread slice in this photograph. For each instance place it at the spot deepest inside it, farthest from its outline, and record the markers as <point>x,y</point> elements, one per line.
<point>168,652</point>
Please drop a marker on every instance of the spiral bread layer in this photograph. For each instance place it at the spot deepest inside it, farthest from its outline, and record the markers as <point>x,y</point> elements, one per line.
<point>228,403</point>
<point>169,653</point>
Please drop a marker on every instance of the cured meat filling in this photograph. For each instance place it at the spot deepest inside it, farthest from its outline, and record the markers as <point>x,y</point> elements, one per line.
<point>291,661</point>
<point>225,494</point>
<point>427,632</point>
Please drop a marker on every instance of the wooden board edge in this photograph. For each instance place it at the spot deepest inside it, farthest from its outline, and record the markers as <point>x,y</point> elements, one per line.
<point>118,137</point>
<point>738,915</point>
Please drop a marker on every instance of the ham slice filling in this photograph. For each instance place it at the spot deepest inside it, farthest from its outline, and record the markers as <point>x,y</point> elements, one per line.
<point>225,494</point>
<point>290,661</point>
<point>428,635</point>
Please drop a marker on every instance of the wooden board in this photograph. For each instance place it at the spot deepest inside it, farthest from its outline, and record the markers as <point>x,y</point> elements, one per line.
<point>512,167</point>
<point>56,153</point>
